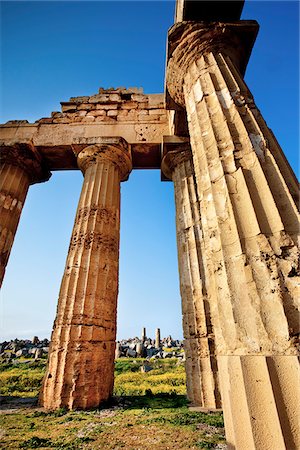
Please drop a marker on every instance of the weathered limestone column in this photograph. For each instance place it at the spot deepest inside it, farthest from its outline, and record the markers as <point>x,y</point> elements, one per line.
<point>201,367</point>
<point>250,224</point>
<point>157,338</point>
<point>21,165</point>
<point>80,371</point>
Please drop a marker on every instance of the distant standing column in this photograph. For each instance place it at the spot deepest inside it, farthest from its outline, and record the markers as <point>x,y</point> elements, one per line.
<point>196,286</point>
<point>21,166</point>
<point>80,372</point>
<point>157,338</point>
<point>143,334</point>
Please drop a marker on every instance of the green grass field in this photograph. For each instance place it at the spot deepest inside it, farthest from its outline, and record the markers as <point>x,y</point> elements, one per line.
<point>149,411</point>
<point>22,380</point>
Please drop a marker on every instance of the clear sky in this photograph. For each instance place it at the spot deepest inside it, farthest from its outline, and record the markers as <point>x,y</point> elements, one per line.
<point>54,50</point>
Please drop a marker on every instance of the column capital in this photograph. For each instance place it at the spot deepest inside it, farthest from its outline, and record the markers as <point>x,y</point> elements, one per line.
<point>188,41</point>
<point>174,156</point>
<point>25,156</point>
<point>113,149</point>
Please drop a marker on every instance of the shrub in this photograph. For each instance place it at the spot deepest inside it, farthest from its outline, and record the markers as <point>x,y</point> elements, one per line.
<point>36,442</point>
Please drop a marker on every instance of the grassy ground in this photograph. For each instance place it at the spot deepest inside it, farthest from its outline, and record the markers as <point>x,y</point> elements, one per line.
<point>149,411</point>
<point>167,377</point>
<point>22,380</point>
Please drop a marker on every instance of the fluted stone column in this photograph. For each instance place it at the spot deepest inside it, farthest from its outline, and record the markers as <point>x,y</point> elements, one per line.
<point>21,165</point>
<point>80,371</point>
<point>250,224</point>
<point>201,367</point>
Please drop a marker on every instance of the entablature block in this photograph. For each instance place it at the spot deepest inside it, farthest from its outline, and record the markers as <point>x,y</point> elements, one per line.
<point>141,119</point>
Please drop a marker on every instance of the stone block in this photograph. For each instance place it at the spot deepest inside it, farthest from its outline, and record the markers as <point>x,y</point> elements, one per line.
<point>111,90</point>
<point>125,118</point>
<point>139,98</point>
<point>85,106</point>
<point>151,118</point>
<point>157,111</point>
<point>70,116</point>
<point>104,119</point>
<point>156,100</point>
<point>115,97</point>
<point>68,107</point>
<point>62,120</point>
<point>88,118</point>
<point>146,368</point>
<point>45,120</point>
<point>112,113</point>
<point>129,105</point>
<point>123,113</point>
<point>100,98</point>
<point>143,105</point>
<point>131,353</point>
<point>98,112</point>
<point>17,122</point>
<point>132,114</point>
<point>107,106</point>
<point>83,99</point>
<point>135,90</point>
<point>56,114</point>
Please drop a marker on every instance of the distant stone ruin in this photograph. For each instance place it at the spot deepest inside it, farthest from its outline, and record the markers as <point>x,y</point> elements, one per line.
<point>11,351</point>
<point>145,347</point>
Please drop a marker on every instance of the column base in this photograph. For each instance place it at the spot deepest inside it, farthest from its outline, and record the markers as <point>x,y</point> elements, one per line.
<point>261,397</point>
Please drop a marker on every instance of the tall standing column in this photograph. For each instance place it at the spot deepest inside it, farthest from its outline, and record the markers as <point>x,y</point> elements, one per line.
<point>195,288</point>
<point>144,337</point>
<point>157,338</point>
<point>250,225</point>
<point>80,371</point>
<point>21,165</point>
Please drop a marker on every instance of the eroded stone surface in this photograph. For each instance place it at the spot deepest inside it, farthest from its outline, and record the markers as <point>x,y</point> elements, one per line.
<point>195,280</point>
<point>81,360</point>
<point>139,118</point>
<point>20,166</point>
<point>249,221</point>
<point>237,225</point>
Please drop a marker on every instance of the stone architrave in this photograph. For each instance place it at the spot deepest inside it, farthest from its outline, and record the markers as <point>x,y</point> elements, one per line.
<point>195,287</point>
<point>80,371</point>
<point>250,224</point>
<point>21,166</point>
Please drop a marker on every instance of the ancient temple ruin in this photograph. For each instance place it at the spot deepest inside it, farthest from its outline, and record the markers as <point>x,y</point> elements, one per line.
<point>237,229</point>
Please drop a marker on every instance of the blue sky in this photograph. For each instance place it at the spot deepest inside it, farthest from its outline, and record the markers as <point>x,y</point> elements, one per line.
<point>54,50</point>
